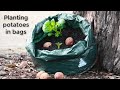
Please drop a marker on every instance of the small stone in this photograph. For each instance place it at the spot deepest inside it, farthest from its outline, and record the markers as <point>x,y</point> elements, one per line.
<point>31,64</point>
<point>10,73</point>
<point>30,75</point>
<point>28,58</point>
<point>111,77</point>
<point>33,72</point>
<point>1,77</point>
<point>23,54</point>
<point>27,70</point>
<point>1,67</point>
<point>23,76</point>
<point>118,77</point>
<point>23,64</point>
<point>75,78</point>
<point>2,73</point>
<point>110,74</point>
<point>12,61</point>
<point>12,77</point>
<point>7,69</point>
<point>4,78</point>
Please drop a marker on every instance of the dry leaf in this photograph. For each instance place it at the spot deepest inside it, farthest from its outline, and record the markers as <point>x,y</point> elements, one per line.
<point>11,65</point>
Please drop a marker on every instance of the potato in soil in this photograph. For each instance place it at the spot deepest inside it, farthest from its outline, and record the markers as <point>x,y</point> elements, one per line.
<point>69,41</point>
<point>47,44</point>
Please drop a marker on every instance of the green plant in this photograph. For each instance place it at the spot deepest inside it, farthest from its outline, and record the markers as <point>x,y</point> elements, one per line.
<point>60,24</point>
<point>53,28</point>
<point>58,44</point>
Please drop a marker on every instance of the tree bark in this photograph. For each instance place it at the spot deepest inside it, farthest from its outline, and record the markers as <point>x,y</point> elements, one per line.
<point>106,26</point>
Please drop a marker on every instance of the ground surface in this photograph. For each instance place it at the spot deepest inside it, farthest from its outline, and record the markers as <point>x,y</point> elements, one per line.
<point>10,68</point>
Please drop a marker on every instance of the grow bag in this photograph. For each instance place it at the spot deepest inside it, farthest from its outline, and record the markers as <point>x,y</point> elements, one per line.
<point>76,59</point>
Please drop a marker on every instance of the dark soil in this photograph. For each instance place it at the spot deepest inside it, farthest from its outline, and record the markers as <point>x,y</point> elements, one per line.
<point>76,34</point>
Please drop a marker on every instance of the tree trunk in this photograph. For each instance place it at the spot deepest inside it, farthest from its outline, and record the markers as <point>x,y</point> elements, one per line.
<point>106,26</point>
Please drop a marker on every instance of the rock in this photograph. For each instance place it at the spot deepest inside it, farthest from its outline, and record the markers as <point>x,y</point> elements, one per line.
<point>8,69</point>
<point>23,54</point>
<point>1,77</point>
<point>10,73</point>
<point>33,72</point>
<point>23,76</point>
<point>111,77</point>
<point>27,70</point>
<point>75,78</point>
<point>29,74</point>
<point>117,77</point>
<point>12,61</point>
<point>31,64</point>
<point>2,73</point>
<point>4,77</point>
<point>23,64</point>
<point>12,77</point>
<point>28,58</point>
<point>1,67</point>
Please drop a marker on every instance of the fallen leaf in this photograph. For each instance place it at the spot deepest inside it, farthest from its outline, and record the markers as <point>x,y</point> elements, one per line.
<point>23,64</point>
<point>11,65</point>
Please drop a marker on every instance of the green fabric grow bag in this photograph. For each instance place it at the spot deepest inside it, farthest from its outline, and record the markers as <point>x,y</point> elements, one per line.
<point>77,59</point>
